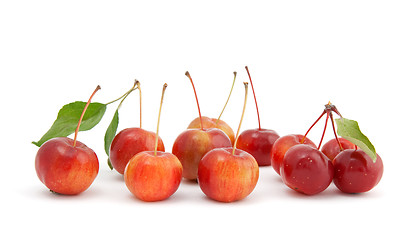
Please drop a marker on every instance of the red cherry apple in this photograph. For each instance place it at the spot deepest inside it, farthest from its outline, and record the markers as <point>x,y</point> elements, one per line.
<point>191,145</point>
<point>283,144</point>
<point>131,141</point>
<point>355,171</point>
<point>306,169</point>
<point>67,166</point>
<point>153,175</point>
<point>258,142</point>
<point>228,174</point>
<point>331,148</point>
<point>227,177</point>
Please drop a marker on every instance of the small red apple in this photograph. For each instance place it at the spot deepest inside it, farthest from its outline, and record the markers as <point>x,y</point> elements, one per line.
<point>213,123</point>
<point>131,141</point>
<point>67,166</point>
<point>332,148</point>
<point>191,145</point>
<point>258,142</point>
<point>228,174</point>
<point>153,175</point>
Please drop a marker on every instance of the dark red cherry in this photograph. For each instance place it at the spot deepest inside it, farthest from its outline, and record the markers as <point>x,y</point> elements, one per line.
<point>355,171</point>
<point>306,169</point>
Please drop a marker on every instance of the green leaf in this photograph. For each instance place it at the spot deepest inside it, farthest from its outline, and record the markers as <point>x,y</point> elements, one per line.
<point>68,118</point>
<point>350,130</point>
<point>110,134</point>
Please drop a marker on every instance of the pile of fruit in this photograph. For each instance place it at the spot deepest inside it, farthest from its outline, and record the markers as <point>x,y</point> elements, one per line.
<point>224,164</point>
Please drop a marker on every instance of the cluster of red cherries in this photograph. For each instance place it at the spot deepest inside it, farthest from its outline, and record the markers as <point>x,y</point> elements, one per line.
<point>225,165</point>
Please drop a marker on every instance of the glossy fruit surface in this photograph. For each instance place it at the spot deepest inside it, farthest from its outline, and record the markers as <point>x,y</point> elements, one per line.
<point>258,143</point>
<point>283,144</point>
<point>153,178</point>
<point>355,171</point>
<point>191,145</point>
<point>129,142</point>
<point>227,177</point>
<point>306,169</point>
<point>213,123</point>
<point>66,169</point>
<point>331,148</point>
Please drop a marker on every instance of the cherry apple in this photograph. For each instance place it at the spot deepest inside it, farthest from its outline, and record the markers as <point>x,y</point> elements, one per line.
<point>258,142</point>
<point>131,141</point>
<point>191,145</point>
<point>67,166</point>
<point>336,145</point>
<point>306,169</point>
<point>216,122</point>
<point>153,175</point>
<point>228,174</point>
<point>283,144</point>
<point>355,171</point>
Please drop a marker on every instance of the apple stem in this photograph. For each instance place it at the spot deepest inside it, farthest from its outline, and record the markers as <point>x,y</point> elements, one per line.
<point>255,99</point>
<point>335,133</point>
<point>227,100</point>
<point>127,93</point>
<point>158,122</point>
<point>82,115</point>
<point>138,85</point>
<point>306,134</point>
<point>242,117</point>
<point>325,128</point>
<point>197,101</point>
<point>124,95</point>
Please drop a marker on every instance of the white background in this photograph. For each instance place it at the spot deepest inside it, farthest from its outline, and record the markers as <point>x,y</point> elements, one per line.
<point>360,55</point>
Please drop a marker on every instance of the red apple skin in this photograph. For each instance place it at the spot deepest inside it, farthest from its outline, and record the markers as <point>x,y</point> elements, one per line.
<point>129,142</point>
<point>153,178</point>
<point>355,171</point>
<point>306,169</point>
<point>191,145</point>
<point>331,148</point>
<point>258,143</point>
<point>66,169</point>
<point>225,177</point>
<point>211,123</point>
<point>281,146</point>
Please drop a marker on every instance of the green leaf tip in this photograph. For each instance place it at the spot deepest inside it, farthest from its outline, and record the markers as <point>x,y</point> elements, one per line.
<point>350,130</point>
<point>68,117</point>
<point>110,134</point>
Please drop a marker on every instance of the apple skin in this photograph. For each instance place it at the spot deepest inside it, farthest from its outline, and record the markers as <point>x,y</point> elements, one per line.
<point>306,169</point>
<point>191,145</point>
<point>281,146</point>
<point>331,148</point>
<point>258,143</point>
<point>225,177</point>
<point>153,178</point>
<point>66,169</point>
<point>129,142</point>
<point>355,171</point>
<point>211,123</point>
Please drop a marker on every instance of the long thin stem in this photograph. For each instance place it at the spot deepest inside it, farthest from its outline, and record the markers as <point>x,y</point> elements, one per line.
<point>227,100</point>
<point>140,103</point>
<point>325,128</point>
<point>242,117</point>
<point>124,95</point>
<point>335,133</point>
<point>127,93</point>
<point>255,99</point>
<point>82,115</point>
<point>304,137</point>
<point>197,101</point>
<point>158,123</point>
